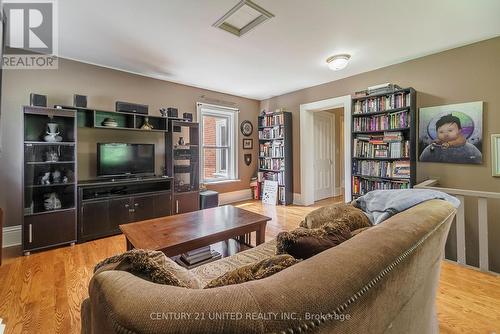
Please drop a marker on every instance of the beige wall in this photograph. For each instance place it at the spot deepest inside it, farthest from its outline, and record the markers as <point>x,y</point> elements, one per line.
<point>469,73</point>
<point>103,87</point>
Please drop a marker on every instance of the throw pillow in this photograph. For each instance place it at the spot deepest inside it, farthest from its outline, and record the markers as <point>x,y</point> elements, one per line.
<point>353,217</point>
<point>153,266</point>
<point>261,269</point>
<point>303,243</point>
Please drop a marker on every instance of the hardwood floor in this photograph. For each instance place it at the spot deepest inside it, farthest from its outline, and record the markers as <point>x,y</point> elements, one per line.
<point>42,293</point>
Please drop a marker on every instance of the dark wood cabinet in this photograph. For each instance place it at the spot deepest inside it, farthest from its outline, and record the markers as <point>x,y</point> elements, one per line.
<point>143,208</point>
<point>46,230</point>
<point>49,178</point>
<point>120,212</point>
<point>96,214</point>
<point>186,202</point>
<point>104,206</point>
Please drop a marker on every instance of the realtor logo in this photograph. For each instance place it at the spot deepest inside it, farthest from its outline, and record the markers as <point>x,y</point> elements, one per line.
<point>29,35</point>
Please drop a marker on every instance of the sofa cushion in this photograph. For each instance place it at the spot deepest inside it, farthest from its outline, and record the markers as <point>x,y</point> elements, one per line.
<point>210,271</point>
<point>359,230</point>
<point>251,272</point>
<point>353,217</point>
<point>153,266</point>
<point>303,243</point>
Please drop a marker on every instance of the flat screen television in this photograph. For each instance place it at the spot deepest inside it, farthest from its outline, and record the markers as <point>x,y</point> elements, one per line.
<point>120,159</point>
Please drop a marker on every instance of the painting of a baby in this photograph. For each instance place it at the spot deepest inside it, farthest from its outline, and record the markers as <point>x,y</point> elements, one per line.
<point>450,135</point>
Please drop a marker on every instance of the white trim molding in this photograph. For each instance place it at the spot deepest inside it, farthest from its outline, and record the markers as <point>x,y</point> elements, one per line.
<point>12,236</point>
<point>297,199</point>
<point>235,196</point>
<point>307,141</point>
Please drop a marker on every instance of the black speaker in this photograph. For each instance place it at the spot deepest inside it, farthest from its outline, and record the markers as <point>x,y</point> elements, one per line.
<point>132,107</point>
<point>209,199</point>
<point>188,116</point>
<point>79,101</point>
<point>38,100</point>
<point>172,112</point>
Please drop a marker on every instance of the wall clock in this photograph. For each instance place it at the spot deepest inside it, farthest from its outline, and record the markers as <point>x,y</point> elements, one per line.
<point>246,128</point>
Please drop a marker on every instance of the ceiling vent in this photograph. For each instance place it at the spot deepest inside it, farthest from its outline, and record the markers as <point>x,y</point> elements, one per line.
<point>242,18</point>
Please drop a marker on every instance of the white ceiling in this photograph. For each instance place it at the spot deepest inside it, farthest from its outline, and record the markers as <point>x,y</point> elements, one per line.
<point>174,39</point>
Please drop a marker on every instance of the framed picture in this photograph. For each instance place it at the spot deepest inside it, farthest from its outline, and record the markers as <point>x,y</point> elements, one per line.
<point>247,144</point>
<point>495,155</point>
<point>451,133</point>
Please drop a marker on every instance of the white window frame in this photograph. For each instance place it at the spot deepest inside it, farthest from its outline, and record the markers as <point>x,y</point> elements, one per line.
<point>205,109</point>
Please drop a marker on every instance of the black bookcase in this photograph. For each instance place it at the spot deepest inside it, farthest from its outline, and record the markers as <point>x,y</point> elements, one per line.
<point>182,163</point>
<point>384,141</point>
<point>276,153</point>
<point>49,181</point>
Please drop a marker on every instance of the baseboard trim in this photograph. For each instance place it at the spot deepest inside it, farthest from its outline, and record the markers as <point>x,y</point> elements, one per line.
<point>12,236</point>
<point>235,196</point>
<point>297,199</point>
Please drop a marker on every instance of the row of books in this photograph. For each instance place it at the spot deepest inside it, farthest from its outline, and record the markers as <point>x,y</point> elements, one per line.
<point>382,103</point>
<point>272,120</point>
<point>271,133</point>
<point>361,186</point>
<point>270,163</point>
<point>382,122</point>
<point>396,169</point>
<point>365,149</point>
<point>274,150</point>
<point>272,176</point>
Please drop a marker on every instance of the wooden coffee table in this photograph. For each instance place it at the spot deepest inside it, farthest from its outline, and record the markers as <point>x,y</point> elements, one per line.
<point>178,234</point>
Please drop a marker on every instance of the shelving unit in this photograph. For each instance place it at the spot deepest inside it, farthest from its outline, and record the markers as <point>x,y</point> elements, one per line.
<point>384,141</point>
<point>275,153</point>
<point>91,118</point>
<point>50,171</point>
<point>183,164</point>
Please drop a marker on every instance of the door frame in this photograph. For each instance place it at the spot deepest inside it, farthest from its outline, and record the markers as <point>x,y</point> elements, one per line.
<point>307,140</point>
<point>332,151</point>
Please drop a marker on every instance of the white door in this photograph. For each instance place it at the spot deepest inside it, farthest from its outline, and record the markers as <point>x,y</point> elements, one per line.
<point>324,142</point>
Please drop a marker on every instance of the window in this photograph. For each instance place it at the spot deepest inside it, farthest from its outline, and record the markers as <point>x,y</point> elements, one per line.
<point>218,140</point>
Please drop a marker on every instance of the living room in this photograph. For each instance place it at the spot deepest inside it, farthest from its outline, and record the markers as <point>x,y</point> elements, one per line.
<point>185,166</point>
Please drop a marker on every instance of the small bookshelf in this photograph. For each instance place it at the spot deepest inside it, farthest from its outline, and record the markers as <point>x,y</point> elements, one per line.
<point>275,154</point>
<point>383,141</point>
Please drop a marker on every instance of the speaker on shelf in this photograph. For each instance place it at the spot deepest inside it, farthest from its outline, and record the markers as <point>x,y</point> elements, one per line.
<point>38,100</point>
<point>79,101</point>
<point>132,107</point>
<point>172,112</point>
<point>188,116</point>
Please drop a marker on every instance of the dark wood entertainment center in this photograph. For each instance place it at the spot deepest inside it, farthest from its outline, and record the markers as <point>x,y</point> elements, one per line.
<point>90,209</point>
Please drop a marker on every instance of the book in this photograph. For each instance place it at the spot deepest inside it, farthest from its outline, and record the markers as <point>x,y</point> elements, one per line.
<point>198,251</point>
<point>215,256</point>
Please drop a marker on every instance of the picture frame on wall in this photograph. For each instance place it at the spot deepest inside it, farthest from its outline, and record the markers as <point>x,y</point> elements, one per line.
<point>247,144</point>
<point>451,133</point>
<point>495,155</point>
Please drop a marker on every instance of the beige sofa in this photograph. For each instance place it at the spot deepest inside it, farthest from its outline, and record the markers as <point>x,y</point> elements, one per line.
<point>383,280</point>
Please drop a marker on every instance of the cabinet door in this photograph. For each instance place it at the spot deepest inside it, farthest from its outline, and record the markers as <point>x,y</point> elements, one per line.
<point>49,229</point>
<point>120,212</point>
<point>143,208</point>
<point>94,219</point>
<point>186,202</point>
<point>163,205</point>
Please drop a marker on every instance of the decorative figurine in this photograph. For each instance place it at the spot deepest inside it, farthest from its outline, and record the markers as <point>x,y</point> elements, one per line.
<point>146,125</point>
<point>56,176</point>
<point>181,141</point>
<point>52,202</point>
<point>51,155</point>
<point>45,178</point>
<point>52,133</point>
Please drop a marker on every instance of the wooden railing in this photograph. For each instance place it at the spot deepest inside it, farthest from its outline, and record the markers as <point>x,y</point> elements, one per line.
<point>482,209</point>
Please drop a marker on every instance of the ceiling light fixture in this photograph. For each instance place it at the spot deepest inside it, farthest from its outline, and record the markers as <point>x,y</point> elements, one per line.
<point>338,62</point>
